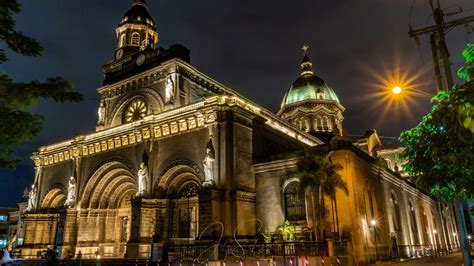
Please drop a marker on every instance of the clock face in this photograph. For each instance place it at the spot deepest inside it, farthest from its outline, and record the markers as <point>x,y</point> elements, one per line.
<point>119,54</point>
<point>140,59</point>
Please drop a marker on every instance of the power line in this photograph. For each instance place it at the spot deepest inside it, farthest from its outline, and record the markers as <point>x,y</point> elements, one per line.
<point>437,34</point>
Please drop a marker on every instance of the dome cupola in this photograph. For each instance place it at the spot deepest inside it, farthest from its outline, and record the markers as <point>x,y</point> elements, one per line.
<point>136,31</point>
<point>310,103</point>
<point>308,86</point>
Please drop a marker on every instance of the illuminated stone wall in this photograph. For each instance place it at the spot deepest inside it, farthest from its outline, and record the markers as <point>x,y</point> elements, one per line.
<point>370,189</point>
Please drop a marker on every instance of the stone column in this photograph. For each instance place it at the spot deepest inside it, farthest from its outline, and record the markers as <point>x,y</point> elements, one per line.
<point>209,212</point>
<point>133,250</point>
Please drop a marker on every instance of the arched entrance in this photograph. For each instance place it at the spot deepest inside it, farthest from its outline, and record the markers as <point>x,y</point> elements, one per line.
<point>180,184</point>
<point>105,212</point>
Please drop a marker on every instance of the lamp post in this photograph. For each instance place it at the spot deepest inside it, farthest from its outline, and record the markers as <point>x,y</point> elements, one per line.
<point>373,223</point>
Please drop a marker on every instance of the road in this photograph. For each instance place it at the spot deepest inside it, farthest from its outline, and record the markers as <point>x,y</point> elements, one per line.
<point>451,260</point>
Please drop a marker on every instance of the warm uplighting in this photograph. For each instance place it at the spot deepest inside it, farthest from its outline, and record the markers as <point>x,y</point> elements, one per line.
<point>397,90</point>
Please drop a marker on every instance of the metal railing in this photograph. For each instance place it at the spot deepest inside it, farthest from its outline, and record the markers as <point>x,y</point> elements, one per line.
<point>237,250</point>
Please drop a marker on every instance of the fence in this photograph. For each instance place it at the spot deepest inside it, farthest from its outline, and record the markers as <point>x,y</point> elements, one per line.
<point>236,251</point>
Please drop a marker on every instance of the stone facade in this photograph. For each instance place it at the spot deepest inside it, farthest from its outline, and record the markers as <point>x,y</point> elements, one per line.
<point>177,157</point>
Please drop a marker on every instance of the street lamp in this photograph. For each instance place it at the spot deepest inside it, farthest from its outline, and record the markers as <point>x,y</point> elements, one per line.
<point>398,90</point>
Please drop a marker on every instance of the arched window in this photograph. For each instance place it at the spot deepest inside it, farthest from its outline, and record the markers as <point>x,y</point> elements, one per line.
<point>187,211</point>
<point>294,205</point>
<point>414,226</point>
<point>135,111</point>
<point>135,38</point>
<point>318,124</point>
<point>302,123</point>
<point>319,94</point>
<point>325,123</point>
<point>122,40</point>
<point>396,212</point>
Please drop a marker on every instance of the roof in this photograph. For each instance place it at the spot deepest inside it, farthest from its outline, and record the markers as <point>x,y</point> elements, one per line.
<point>308,86</point>
<point>138,13</point>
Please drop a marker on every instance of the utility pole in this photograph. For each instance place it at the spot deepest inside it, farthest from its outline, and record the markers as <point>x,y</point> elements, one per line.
<point>437,35</point>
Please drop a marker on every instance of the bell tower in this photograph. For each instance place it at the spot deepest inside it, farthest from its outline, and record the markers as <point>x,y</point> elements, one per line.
<point>136,31</point>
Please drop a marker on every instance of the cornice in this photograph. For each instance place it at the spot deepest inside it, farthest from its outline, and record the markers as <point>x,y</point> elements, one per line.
<point>245,196</point>
<point>166,124</point>
<point>311,103</point>
<point>275,165</point>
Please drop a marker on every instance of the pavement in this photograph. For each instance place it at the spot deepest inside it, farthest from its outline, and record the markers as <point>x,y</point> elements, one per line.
<point>454,259</point>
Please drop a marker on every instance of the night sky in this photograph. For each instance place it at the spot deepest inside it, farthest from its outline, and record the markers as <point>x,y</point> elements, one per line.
<point>252,46</point>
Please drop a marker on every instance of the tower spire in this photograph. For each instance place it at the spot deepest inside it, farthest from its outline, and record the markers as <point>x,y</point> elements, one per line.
<point>306,65</point>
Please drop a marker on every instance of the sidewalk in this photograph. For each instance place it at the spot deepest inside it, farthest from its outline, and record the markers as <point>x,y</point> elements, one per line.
<point>452,259</point>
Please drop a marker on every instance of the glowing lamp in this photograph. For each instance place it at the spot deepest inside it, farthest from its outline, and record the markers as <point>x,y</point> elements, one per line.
<point>373,222</point>
<point>397,90</point>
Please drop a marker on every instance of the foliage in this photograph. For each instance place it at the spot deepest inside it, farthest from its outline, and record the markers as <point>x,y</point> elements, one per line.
<point>267,237</point>
<point>17,125</point>
<point>439,151</point>
<point>287,231</point>
<point>319,176</point>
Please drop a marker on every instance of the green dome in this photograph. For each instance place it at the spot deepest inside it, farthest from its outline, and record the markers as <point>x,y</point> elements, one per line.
<point>309,87</point>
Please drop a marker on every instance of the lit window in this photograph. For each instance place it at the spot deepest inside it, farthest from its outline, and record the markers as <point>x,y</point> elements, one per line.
<point>135,39</point>
<point>3,218</point>
<point>135,111</point>
<point>122,40</point>
<point>295,209</point>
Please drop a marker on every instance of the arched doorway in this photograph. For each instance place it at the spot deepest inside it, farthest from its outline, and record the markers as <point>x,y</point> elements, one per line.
<point>180,184</point>
<point>105,211</point>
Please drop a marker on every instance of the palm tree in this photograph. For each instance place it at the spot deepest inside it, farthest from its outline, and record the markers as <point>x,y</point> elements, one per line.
<point>318,176</point>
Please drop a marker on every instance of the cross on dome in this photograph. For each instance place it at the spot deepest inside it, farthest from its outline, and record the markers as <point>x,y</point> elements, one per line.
<point>305,48</point>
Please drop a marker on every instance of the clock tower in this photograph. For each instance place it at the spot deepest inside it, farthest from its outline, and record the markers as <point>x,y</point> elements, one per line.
<point>136,31</point>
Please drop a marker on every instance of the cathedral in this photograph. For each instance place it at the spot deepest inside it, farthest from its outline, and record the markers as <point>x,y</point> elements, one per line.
<point>178,158</point>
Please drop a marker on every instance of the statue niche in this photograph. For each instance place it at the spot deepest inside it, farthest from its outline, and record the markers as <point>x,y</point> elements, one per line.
<point>169,89</point>
<point>208,164</point>
<point>32,194</point>
<point>71,193</point>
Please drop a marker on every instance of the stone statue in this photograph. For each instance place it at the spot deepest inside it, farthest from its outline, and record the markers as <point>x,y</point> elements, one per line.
<point>142,180</point>
<point>101,113</point>
<point>169,89</point>
<point>208,164</point>
<point>71,192</point>
<point>32,198</point>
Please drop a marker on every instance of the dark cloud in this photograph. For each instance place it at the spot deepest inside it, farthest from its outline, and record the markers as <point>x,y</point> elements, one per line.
<point>252,46</point>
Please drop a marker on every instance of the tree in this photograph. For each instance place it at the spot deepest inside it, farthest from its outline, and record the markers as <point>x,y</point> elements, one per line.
<point>17,125</point>
<point>319,177</point>
<point>439,151</point>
